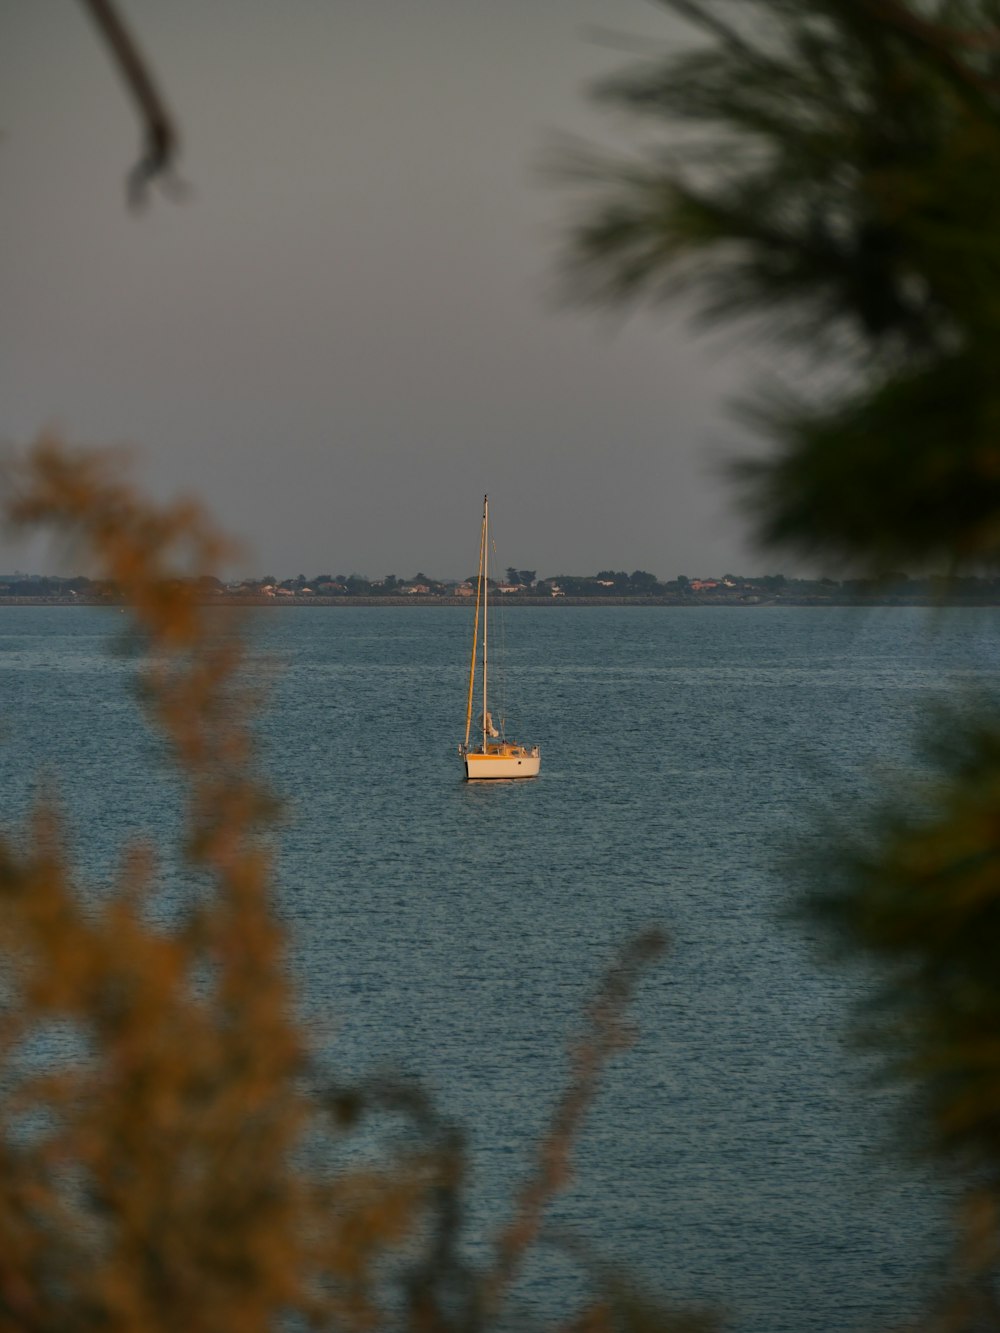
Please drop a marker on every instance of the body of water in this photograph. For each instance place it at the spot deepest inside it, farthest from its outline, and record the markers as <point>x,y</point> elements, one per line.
<point>737,1154</point>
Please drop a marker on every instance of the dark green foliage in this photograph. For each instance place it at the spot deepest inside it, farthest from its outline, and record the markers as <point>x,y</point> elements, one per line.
<point>906,471</point>
<point>833,175</point>
<point>642,581</point>
<point>830,173</point>
<point>920,891</point>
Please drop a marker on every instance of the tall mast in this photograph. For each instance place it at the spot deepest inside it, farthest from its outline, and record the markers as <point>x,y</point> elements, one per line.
<point>486,599</point>
<point>475,628</point>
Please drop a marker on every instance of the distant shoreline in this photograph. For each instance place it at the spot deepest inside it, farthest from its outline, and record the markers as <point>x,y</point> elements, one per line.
<point>549,603</point>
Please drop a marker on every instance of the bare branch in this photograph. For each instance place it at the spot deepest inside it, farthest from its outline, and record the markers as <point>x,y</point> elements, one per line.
<point>162,143</point>
<point>608,1033</point>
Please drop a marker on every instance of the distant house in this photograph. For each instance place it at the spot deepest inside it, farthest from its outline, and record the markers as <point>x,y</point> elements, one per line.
<point>703,585</point>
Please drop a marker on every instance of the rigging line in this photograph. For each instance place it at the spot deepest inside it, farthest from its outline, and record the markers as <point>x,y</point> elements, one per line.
<point>475,630</point>
<point>499,672</point>
<point>502,694</point>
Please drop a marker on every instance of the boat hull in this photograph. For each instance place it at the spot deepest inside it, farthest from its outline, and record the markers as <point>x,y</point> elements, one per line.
<point>485,766</point>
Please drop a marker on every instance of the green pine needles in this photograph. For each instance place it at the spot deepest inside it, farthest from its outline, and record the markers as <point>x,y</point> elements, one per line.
<point>827,170</point>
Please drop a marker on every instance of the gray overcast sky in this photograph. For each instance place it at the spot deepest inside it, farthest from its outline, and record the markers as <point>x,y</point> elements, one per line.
<point>346,334</point>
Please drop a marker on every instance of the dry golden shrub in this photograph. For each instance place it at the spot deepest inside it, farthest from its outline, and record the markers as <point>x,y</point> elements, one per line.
<point>164,1162</point>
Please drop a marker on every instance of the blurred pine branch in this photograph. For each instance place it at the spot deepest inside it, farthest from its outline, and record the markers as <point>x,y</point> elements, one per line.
<point>824,173</point>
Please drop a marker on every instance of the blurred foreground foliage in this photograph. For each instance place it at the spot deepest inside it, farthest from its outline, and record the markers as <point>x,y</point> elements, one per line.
<point>829,176</point>
<point>169,1157</point>
<point>825,173</point>
<point>828,173</point>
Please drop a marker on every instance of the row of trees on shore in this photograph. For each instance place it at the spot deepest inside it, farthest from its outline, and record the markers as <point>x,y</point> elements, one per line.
<point>614,584</point>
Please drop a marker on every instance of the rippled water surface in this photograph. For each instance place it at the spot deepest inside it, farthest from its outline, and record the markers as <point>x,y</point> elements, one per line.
<point>736,1154</point>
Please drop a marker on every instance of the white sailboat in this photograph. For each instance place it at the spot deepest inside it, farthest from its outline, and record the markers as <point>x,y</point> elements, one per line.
<point>491,754</point>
